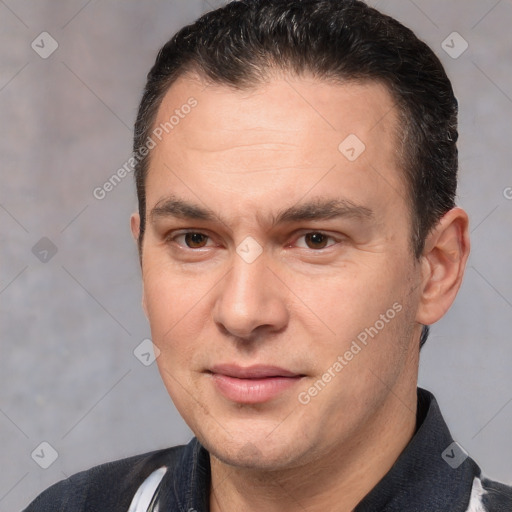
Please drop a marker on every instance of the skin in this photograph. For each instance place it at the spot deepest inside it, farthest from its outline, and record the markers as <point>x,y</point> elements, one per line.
<point>246,156</point>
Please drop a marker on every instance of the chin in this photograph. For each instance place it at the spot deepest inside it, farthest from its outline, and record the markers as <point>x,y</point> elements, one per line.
<point>251,452</point>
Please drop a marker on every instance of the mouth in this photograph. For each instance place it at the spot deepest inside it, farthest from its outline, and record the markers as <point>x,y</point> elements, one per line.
<point>253,384</point>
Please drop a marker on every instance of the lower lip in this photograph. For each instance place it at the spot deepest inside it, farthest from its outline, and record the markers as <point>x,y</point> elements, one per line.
<point>253,391</point>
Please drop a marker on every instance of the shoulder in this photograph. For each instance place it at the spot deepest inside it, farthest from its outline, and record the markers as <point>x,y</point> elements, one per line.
<point>493,496</point>
<point>107,487</point>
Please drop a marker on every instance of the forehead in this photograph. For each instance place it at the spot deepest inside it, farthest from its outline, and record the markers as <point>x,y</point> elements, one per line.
<point>288,134</point>
<point>318,105</point>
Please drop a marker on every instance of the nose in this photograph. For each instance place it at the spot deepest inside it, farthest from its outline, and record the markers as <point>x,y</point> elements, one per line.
<point>250,301</point>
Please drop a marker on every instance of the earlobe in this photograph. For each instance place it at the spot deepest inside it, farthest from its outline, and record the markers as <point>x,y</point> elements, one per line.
<point>443,263</point>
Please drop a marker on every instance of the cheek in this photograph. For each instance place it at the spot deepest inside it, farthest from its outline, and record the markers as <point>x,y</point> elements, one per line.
<point>167,293</point>
<point>353,298</point>
<point>369,315</point>
<point>171,305</point>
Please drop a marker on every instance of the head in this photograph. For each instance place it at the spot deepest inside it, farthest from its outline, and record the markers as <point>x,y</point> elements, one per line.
<point>262,242</point>
<point>370,47</point>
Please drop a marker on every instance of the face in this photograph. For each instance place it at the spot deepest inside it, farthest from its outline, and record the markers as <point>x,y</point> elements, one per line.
<point>278,275</point>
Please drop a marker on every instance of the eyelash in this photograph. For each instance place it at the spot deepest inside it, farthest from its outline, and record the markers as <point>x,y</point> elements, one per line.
<point>175,237</point>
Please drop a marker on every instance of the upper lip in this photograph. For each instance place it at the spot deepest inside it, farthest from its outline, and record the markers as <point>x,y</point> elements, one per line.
<point>251,372</point>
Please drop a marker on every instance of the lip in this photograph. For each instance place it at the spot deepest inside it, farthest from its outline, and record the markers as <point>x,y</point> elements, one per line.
<point>253,384</point>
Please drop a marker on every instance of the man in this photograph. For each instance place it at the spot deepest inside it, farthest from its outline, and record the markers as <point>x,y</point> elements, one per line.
<point>297,230</point>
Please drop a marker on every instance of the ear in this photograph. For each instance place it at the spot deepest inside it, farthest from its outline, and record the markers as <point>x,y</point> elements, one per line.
<point>135,227</point>
<point>443,263</point>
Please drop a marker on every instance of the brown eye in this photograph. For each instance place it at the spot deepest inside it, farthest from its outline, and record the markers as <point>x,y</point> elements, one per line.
<point>316,240</point>
<point>196,240</point>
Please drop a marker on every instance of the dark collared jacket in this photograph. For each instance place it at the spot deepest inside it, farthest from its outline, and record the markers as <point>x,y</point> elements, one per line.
<point>433,474</point>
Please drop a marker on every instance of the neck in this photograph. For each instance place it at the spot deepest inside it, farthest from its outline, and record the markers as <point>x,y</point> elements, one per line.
<point>338,480</point>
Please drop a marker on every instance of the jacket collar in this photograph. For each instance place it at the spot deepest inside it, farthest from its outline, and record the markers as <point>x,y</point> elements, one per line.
<point>424,476</point>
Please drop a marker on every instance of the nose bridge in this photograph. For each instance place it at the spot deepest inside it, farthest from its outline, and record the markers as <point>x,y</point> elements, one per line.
<point>249,299</point>
<point>245,286</point>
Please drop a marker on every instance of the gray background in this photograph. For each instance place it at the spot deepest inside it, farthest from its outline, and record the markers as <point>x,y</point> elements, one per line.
<point>69,326</point>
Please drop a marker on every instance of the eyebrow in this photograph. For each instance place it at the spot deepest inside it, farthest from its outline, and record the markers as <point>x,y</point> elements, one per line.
<point>317,209</point>
<point>174,207</point>
<point>323,210</point>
